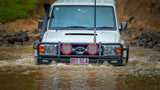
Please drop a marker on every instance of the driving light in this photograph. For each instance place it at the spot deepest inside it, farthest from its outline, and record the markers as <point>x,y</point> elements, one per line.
<point>92,49</point>
<point>66,48</point>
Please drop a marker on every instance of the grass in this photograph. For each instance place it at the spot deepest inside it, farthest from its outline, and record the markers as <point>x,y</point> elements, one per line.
<point>11,10</point>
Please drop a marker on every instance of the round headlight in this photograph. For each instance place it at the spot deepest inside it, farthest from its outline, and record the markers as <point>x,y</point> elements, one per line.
<point>48,49</point>
<point>109,50</point>
<point>92,49</point>
<point>66,48</point>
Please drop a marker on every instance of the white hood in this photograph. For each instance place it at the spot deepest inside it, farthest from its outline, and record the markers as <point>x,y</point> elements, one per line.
<point>60,35</point>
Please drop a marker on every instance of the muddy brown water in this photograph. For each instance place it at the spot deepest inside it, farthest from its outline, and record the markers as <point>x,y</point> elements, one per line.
<point>142,72</point>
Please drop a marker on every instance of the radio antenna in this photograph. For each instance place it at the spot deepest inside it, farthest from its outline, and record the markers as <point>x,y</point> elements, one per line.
<point>94,21</point>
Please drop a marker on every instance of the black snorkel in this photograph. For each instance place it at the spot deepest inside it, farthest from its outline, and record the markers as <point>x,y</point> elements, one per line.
<point>47,8</point>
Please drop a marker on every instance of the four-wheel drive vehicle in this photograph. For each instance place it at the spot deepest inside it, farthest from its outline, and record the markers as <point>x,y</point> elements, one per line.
<point>81,32</point>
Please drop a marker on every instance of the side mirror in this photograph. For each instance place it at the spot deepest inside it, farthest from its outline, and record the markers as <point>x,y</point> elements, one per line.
<point>123,26</point>
<point>40,23</point>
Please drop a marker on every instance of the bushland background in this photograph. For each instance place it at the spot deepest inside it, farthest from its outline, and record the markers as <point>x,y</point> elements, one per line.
<point>143,17</point>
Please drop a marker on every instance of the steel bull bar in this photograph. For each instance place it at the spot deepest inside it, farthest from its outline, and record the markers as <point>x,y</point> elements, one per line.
<point>98,58</point>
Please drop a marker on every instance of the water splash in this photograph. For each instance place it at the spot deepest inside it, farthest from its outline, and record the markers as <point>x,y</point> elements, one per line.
<point>23,61</point>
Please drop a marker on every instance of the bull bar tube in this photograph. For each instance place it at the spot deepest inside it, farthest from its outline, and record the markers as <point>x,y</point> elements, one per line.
<point>92,58</point>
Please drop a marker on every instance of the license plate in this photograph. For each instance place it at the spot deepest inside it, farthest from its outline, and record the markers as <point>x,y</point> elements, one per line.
<point>79,60</point>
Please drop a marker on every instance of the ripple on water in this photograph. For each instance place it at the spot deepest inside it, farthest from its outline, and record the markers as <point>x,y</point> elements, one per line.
<point>140,73</point>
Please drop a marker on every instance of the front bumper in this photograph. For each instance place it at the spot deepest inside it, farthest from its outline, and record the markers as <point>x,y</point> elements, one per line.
<point>98,58</point>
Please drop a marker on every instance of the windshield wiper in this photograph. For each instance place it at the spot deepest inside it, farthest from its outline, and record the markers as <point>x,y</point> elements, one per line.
<point>104,27</point>
<point>91,34</point>
<point>76,27</point>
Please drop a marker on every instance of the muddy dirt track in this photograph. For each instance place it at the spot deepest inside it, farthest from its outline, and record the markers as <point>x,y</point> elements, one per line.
<point>20,72</point>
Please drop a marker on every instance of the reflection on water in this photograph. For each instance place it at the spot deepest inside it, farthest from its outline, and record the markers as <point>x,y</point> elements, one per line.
<point>142,72</point>
<point>70,77</point>
<point>18,78</point>
<point>100,78</point>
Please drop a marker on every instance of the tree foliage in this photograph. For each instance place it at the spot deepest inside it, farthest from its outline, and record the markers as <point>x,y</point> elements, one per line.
<point>11,10</point>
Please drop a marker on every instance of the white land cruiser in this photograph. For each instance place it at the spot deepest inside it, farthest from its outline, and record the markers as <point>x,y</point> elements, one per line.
<point>81,32</point>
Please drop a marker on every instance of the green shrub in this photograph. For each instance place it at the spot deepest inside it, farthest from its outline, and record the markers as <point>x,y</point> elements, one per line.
<point>11,10</point>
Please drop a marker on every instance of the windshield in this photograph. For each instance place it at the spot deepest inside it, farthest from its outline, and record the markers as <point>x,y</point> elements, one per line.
<point>82,17</point>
